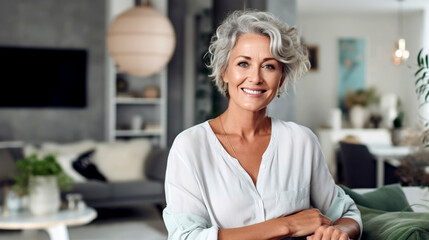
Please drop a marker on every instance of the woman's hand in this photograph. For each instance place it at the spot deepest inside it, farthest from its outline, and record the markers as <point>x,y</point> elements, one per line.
<point>305,222</point>
<point>328,233</point>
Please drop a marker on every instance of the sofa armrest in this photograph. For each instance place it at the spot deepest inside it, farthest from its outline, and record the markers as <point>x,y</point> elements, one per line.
<point>156,164</point>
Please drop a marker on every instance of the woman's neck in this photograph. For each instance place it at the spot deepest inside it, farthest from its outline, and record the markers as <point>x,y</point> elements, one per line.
<point>246,124</point>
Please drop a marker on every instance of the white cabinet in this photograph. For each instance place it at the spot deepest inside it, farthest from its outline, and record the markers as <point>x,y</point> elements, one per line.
<point>131,105</point>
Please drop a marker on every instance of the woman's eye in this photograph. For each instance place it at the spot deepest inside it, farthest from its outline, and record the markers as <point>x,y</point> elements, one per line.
<point>243,64</point>
<point>269,66</point>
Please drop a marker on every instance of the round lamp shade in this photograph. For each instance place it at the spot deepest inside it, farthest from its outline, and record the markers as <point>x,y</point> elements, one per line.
<point>141,41</point>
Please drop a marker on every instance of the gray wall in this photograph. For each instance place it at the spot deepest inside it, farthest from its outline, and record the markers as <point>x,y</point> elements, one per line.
<point>283,107</point>
<point>68,24</point>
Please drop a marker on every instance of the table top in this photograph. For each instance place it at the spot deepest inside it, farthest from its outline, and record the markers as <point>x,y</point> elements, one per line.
<point>25,220</point>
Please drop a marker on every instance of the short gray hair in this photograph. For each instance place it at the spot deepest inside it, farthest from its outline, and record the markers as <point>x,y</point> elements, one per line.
<point>285,45</point>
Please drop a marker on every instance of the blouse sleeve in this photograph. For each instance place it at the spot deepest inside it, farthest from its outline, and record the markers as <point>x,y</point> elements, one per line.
<point>330,199</point>
<point>185,216</point>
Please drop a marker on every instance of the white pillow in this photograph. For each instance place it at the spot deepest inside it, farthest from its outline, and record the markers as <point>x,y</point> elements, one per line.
<point>123,160</point>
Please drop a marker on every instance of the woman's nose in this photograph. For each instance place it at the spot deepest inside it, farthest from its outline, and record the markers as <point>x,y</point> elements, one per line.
<point>255,75</point>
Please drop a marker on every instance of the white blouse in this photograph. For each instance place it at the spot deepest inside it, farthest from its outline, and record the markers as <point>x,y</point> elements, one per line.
<point>207,189</point>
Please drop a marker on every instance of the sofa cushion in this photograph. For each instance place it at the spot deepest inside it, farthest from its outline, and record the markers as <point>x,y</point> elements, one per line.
<point>387,198</point>
<point>66,163</point>
<point>379,224</point>
<point>136,189</point>
<point>93,190</point>
<point>123,160</point>
<point>85,166</point>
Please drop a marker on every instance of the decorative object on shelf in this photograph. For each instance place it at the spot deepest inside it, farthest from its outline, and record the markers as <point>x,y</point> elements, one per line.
<point>151,92</point>
<point>397,131</point>
<point>389,109</point>
<point>400,54</point>
<point>358,116</point>
<point>141,41</point>
<point>121,83</point>
<point>357,103</point>
<point>137,123</point>
<point>375,120</point>
<point>42,180</point>
<point>336,118</point>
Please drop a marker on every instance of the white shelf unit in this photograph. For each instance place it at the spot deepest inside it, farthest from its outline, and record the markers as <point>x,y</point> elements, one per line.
<point>152,110</point>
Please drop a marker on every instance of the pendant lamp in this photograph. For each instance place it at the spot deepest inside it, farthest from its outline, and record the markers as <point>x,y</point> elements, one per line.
<point>400,53</point>
<point>141,41</point>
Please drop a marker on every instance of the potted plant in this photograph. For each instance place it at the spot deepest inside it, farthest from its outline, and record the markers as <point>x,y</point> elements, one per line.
<point>414,168</point>
<point>422,90</point>
<point>41,179</point>
<point>357,103</point>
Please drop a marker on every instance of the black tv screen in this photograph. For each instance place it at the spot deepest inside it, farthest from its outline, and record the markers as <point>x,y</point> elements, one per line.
<point>42,77</point>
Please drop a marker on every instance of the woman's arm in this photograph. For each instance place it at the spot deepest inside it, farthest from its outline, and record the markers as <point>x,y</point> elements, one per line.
<point>302,223</point>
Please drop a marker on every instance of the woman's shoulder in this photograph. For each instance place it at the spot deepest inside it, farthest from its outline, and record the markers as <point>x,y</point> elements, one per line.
<point>293,129</point>
<point>194,135</point>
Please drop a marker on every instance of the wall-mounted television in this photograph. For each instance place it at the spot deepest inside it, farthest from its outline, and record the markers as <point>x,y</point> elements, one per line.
<point>42,77</point>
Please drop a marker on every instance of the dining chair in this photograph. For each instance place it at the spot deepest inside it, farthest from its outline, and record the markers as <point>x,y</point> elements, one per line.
<point>358,165</point>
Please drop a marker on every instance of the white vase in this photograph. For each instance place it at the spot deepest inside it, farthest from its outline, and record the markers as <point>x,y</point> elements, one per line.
<point>44,197</point>
<point>358,116</point>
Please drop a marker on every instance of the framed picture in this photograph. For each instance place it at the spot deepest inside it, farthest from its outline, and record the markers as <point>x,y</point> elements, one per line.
<point>313,56</point>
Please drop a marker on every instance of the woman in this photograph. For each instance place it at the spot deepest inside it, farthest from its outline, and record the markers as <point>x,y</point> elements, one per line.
<point>244,175</point>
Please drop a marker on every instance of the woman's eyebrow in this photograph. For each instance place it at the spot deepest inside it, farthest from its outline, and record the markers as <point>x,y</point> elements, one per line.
<point>265,59</point>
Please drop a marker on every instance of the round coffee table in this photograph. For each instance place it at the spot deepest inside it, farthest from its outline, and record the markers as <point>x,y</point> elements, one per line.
<point>55,225</point>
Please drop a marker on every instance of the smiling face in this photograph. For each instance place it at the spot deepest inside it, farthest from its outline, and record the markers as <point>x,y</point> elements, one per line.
<point>253,74</point>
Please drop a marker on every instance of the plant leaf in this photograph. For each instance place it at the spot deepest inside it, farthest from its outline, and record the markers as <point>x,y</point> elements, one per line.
<point>427,61</point>
<point>419,60</point>
<point>418,71</point>
<point>420,78</point>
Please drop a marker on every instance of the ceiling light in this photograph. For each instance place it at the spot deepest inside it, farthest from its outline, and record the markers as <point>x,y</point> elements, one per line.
<point>141,41</point>
<point>400,54</point>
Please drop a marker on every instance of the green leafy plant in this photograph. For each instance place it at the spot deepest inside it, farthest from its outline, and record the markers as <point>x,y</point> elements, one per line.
<point>422,89</point>
<point>34,166</point>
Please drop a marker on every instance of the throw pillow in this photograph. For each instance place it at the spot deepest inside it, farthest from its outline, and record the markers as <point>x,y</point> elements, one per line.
<point>387,198</point>
<point>84,165</point>
<point>123,160</point>
<point>66,163</point>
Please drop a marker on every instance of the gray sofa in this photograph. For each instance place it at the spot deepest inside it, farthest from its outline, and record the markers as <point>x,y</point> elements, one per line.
<point>107,194</point>
<point>115,194</point>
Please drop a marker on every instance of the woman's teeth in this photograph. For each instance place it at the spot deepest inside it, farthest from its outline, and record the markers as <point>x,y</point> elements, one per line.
<point>252,91</point>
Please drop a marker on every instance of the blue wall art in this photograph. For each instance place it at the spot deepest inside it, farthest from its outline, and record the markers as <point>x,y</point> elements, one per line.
<point>351,66</point>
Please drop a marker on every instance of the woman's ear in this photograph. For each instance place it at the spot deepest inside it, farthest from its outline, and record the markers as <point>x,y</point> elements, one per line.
<point>223,77</point>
